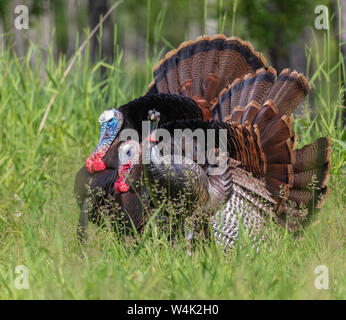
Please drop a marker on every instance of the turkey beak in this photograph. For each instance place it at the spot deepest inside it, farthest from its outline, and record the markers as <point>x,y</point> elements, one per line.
<point>154,118</point>
<point>101,139</point>
<point>94,163</point>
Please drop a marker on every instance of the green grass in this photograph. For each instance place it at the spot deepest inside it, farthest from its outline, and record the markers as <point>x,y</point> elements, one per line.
<point>38,212</point>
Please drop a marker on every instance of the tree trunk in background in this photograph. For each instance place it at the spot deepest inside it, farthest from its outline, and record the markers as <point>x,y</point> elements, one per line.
<point>290,56</point>
<point>297,61</point>
<point>96,9</point>
<point>278,53</point>
<point>343,35</point>
<point>5,25</point>
<point>343,38</point>
<point>61,26</point>
<point>72,9</point>
<point>296,51</point>
<point>343,28</point>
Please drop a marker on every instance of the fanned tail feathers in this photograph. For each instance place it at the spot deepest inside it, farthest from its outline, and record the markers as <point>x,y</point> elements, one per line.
<point>231,83</point>
<point>263,103</point>
<point>200,69</point>
<point>311,175</point>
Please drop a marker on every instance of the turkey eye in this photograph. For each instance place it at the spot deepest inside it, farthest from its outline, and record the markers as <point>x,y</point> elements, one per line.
<point>128,151</point>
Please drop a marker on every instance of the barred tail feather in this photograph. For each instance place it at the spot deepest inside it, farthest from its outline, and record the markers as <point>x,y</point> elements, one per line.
<point>311,175</point>
<point>289,90</point>
<point>200,69</point>
<point>312,166</point>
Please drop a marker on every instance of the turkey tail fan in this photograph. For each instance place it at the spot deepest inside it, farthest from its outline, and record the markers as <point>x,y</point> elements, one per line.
<point>311,175</point>
<point>269,140</point>
<point>242,91</point>
<point>200,69</point>
<point>285,92</point>
<point>263,103</point>
<point>289,90</point>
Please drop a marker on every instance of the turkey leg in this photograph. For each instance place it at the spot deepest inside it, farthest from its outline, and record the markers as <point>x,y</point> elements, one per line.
<point>83,222</point>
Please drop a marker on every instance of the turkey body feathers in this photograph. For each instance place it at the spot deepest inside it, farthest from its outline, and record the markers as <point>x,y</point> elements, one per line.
<point>289,181</point>
<point>248,204</point>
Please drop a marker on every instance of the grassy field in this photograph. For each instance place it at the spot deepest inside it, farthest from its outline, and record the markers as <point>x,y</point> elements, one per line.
<point>38,212</point>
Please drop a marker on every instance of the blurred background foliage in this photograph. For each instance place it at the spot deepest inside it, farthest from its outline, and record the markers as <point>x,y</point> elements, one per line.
<point>282,29</point>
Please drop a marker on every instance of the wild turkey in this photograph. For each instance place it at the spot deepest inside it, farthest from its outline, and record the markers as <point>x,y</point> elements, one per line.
<point>224,80</point>
<point>94,183</point>
<point>246,194</point>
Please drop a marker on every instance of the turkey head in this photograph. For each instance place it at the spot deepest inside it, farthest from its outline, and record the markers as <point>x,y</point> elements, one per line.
<point>110,124</point>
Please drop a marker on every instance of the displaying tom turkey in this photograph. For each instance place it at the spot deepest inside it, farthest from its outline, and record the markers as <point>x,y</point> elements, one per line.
<point>252,188</point>
<point>95,187</point>
<point>221,83</point>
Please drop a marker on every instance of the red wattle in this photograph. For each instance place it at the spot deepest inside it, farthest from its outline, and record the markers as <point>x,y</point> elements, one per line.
<point>94,162</point>
<point>98,165</point>
<point>89,164</point>
<point>152,138</point>
<point>120,185</point>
